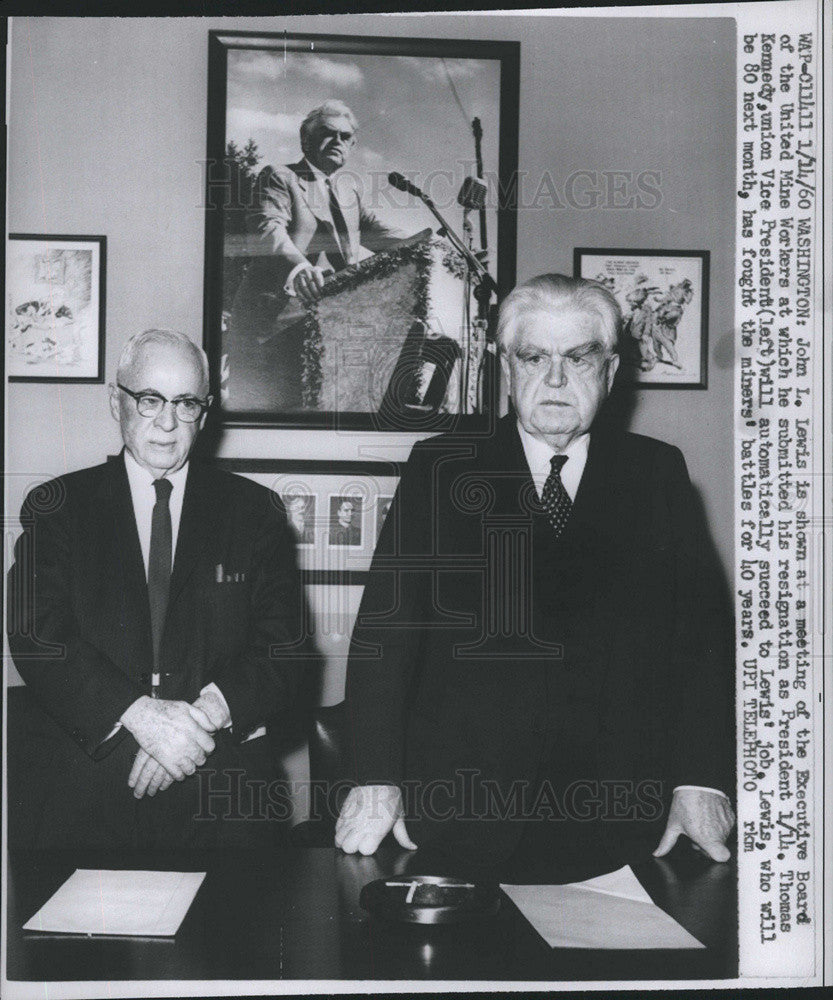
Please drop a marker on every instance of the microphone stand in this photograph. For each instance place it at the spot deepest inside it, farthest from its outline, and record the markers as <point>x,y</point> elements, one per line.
<point>484,279</point>
<point>484,288</point>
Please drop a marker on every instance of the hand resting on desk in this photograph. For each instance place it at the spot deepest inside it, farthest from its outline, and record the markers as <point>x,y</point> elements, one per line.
<point>704,817</point>
<point>369,814</point>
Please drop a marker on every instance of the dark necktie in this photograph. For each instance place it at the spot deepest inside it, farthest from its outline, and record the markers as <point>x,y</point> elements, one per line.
<point>341,227</point>
<point>554,498</point>
<point>159,563</point>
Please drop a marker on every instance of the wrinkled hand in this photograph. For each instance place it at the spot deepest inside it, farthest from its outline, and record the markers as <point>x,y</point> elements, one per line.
<point>212,708</point>
<point>147,777</point>
<point>369,813</point>
<point>308,284</point>
<point>705,818</point>
<point>174,733</point>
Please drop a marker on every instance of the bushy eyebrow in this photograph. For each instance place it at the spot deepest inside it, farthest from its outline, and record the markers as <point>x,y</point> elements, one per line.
<point>580,350</point>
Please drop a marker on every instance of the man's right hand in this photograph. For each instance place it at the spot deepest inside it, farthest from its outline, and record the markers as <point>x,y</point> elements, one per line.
<point>368,815</point>
<point>172,732</point>
<point>308,284</point>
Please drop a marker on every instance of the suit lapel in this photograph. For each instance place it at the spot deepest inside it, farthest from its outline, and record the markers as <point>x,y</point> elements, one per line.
<point>198,527</point>
<point>125,564</point>
<point>305,180</point>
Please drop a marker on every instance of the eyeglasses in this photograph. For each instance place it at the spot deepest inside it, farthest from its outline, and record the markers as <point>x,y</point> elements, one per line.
<point>150,404</point>
<point>333,133</point>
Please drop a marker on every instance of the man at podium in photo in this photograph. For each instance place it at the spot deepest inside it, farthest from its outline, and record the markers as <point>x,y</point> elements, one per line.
<point>306,221</point>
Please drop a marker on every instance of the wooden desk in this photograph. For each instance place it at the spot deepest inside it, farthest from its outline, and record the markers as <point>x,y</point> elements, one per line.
<point>296,915</point>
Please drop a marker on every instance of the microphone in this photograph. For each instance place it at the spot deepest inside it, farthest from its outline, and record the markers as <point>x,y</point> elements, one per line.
<point>472,194</point>
<point>403,184</point>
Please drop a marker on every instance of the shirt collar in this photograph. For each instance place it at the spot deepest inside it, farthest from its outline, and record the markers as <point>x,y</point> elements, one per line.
<point>319,176</point>
<point>140,478</point>
<point>539,454</point>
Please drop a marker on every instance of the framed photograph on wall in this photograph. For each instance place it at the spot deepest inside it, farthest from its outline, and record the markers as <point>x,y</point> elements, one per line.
<point>304,135</point>
<point>664,295</point>
<point>336,510</point>
<point>55,308</point>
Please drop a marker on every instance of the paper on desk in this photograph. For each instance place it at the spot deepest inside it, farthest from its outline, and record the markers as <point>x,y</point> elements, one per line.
<point>144,903</point>
<point>610,911</point>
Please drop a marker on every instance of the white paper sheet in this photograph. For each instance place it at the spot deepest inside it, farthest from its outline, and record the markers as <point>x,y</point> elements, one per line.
<point>610,911</point>
<point>151,904</point>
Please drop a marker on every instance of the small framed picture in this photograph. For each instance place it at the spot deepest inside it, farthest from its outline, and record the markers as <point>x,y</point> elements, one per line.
<point>300,512</point>
<point>345,523</point>
<point>664,295</point>
<point>55,308</point>
<point>335,509</point>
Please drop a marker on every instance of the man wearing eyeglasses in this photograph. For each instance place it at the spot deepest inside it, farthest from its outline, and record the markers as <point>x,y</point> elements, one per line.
<point>155,614</point>
<point>307,221</point>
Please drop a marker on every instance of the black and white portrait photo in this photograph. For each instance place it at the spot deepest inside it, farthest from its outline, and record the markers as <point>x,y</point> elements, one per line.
<point>321,263</point>
<point>300,512</point>
<point>345,528</point>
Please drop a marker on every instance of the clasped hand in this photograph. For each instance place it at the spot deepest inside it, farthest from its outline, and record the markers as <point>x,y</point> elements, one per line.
<point>174,739</point>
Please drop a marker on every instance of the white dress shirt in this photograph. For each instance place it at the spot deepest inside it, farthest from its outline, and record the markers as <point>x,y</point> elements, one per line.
<point>143,495</point>
<point>538,457</point>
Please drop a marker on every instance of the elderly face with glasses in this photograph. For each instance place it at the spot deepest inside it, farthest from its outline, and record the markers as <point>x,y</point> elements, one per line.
<point>160,401</point>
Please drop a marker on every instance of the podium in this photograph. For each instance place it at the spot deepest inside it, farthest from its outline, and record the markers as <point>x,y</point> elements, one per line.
<point>390,338</point>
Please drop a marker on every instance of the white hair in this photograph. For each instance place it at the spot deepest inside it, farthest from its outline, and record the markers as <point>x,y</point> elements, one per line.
<point>329,109</point>
<point>168,337</point>
<point>553,293</point>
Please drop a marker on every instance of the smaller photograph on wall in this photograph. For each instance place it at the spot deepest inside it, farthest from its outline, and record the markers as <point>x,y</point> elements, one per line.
<point>664,300</point>
<point>335,509</point>
<point>55,308</point>
<point>300,512</point>
<point>345,526</point>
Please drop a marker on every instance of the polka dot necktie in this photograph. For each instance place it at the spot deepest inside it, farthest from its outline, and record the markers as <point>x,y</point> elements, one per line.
<point>555,499</point>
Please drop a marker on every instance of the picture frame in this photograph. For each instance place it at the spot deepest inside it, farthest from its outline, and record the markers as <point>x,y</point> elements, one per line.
<point>385,347</point>
<point>664,295</point>
<point>334,547</point>
<point>55,308</point>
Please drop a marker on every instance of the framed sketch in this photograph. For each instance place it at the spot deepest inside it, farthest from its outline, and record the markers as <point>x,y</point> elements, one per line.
<point>335,509</point>
<point>664,295</point>
<point>304,133</point>
<point>55,308</point>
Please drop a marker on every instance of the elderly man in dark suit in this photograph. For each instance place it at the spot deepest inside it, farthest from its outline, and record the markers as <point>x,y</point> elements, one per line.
<point>155,613</point>
<point>306,222</point>
<point>541,669</point>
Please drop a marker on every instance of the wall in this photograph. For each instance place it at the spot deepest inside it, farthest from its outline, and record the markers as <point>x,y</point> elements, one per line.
<point>107,131</point>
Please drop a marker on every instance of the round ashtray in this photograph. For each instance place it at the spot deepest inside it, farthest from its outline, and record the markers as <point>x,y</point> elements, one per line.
<point>429,899</point>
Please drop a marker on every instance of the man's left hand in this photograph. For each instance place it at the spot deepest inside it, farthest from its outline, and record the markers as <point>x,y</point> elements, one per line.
<point>704,817</point>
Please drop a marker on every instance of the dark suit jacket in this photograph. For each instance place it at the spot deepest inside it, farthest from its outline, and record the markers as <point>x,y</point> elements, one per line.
<point>481,641</point>
<point>290,224</point>
<point>79,620</point>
